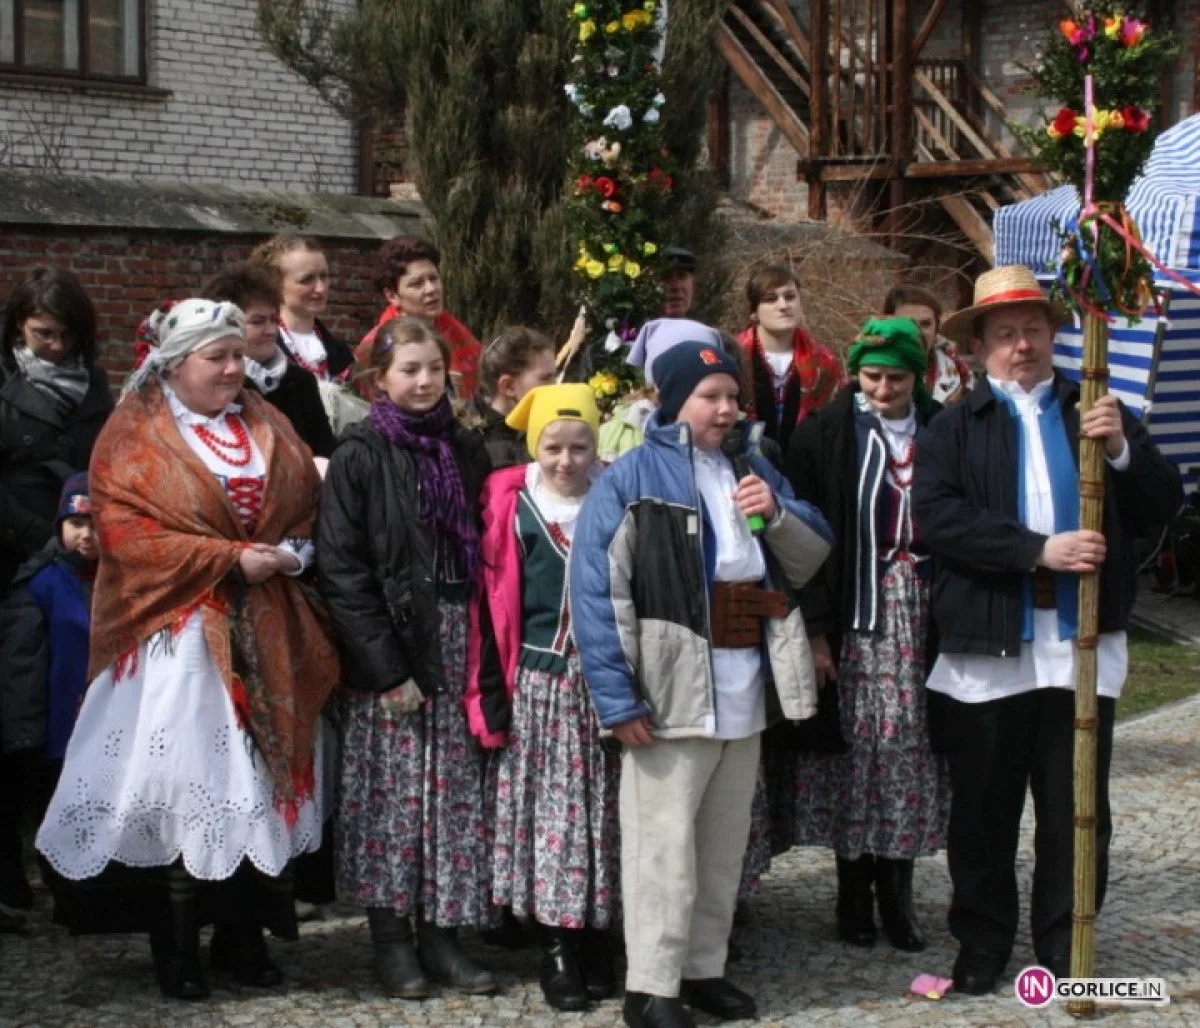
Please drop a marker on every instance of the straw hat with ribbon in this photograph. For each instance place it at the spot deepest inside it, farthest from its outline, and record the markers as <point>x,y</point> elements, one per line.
<point>995,290</point>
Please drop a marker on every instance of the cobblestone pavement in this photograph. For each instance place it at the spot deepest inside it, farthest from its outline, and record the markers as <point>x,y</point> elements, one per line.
<point>799,973</point>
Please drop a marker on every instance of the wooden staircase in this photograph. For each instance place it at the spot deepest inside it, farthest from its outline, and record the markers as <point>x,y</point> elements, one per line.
<point>836,98</point>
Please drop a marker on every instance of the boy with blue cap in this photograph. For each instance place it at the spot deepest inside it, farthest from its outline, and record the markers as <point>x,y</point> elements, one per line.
<point>688,633</point>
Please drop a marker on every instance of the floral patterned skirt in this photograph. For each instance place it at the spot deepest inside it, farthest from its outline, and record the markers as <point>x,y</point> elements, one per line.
<point>556,835</point>
<point>757,861</point>
<point>889,795</point>
<point>410,824</point>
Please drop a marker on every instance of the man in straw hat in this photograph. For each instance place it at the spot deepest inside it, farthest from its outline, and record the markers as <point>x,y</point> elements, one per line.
<point>996,499</point>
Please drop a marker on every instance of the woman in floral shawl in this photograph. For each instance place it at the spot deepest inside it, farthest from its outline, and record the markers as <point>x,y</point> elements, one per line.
<point>192,762</point>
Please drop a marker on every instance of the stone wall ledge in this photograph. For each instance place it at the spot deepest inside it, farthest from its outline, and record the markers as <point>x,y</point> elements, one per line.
<point>58,201</point>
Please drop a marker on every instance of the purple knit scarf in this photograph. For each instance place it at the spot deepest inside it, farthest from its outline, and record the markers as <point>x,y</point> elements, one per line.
<point>443,500</point>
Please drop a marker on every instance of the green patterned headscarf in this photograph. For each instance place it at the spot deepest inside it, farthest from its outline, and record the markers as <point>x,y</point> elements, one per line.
<point>892,343</point>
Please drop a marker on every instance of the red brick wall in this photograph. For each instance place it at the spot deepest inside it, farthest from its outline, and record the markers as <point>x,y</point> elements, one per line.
<point>762,163</point>
<point>127,274</point>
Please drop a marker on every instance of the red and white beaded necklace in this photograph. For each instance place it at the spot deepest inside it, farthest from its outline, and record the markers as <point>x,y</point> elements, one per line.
<point>237,453</point>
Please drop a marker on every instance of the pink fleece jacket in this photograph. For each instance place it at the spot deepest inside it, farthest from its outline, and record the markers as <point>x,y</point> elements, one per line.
<point>500,582</point>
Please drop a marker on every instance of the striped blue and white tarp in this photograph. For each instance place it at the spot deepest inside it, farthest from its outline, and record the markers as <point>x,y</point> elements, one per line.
<point>1162,202</point>
<point>1173,415</point>
<point>1161,385</point>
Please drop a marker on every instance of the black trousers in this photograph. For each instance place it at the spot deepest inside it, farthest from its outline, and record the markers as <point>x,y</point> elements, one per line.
<point>997,750</point>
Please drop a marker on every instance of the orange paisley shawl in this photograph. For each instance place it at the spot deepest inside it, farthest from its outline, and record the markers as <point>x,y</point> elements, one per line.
<point>169,536</point>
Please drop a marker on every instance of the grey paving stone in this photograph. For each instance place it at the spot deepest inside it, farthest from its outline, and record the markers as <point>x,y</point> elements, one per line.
<point>800,974</point>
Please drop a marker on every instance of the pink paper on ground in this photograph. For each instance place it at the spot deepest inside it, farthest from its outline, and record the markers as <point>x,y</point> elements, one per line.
<point>930,986</point>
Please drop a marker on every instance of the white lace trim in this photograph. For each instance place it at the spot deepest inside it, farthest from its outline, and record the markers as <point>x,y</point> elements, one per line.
<point>158,770</point>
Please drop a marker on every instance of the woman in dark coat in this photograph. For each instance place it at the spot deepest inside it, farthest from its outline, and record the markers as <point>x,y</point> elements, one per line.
<point>54,400</point>
<point>868,785</point>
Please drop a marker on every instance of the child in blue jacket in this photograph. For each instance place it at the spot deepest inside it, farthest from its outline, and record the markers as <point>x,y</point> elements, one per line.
<point>44,653</point>
<point>689,636</point>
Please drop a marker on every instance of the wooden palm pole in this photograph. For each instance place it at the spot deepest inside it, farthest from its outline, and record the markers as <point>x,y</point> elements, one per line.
<point>1091,516</point>
<point>1094,384</point>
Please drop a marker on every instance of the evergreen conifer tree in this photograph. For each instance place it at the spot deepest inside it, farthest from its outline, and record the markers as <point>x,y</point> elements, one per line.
<point>481,84</point>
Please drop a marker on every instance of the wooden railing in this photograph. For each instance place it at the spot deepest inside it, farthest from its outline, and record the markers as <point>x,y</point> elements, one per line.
<point>844,94</point>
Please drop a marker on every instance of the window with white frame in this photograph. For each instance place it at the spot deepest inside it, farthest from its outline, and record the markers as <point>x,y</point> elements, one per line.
<point>91,39</point>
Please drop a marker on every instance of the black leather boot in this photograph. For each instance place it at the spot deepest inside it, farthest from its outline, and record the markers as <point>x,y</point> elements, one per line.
<point>561,976</point>
<point>719,997</point>
<point>396,964</point>
<point>176,948</point>
<point>442,959</point>
<point>598,959</point>
<point>855,902</point>
<point>894,893</point>
<point>239,947</point>
<point>645,1011</point>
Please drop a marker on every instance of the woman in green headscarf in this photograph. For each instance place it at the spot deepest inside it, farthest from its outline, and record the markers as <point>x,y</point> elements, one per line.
<point>866,783</point>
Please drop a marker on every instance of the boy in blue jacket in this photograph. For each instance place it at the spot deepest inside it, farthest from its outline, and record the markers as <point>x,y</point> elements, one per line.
<point>682,578</point>
<point>44,652</point>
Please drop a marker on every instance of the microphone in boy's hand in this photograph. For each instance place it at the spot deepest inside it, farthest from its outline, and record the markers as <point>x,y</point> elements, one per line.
<point>733,449</point>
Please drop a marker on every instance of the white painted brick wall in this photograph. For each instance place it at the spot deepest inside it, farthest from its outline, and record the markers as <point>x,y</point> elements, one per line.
<point>236,117</point>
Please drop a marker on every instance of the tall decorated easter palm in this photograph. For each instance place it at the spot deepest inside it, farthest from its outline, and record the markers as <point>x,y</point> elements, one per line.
<point>1104,66</point>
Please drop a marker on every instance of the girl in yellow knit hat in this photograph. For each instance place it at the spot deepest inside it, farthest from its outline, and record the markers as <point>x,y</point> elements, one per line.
<point>556,798</point>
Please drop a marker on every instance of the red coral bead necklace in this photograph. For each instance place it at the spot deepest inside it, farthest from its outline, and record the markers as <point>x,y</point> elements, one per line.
<point>236,453</point>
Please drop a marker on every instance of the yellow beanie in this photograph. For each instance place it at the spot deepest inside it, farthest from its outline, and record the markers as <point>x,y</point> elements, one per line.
<point>570,401</point>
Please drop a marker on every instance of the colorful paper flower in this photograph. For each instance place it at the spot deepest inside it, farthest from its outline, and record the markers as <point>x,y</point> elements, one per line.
<point>633,20</point>
<point>612,27</point>
<point>604,384</point>
<point>581,11</point>
<point>651,115</point>
<point>649,249</point>
<point>583,184</point>
<point>1063,124</point>
<point>615,262</point>
<point>1132,31</point>
<point>594,269</point>
<point>607,186</point>
<point>1068,28</point>
<point>633,269</point>
<point>587,29</point>
<point>1135,119</point>
<point>619,118</point>
<point>1112,26</point>
<point>594,149</point>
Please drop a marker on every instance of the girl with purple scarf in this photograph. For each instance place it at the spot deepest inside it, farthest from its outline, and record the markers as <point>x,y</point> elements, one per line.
<point>399,547</point>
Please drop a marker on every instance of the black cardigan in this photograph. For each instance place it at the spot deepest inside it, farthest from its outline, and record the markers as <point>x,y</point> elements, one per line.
<point>965,505</point>
<point>822,466</point>
<point>298,397</point>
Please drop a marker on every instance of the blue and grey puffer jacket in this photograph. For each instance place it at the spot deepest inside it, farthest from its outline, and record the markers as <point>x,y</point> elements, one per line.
<point>641,570</point>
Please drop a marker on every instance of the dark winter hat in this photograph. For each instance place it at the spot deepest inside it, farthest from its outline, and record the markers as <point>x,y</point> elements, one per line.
<point>679,370</point>
<point>679,258</point>
<point>75,501</point>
